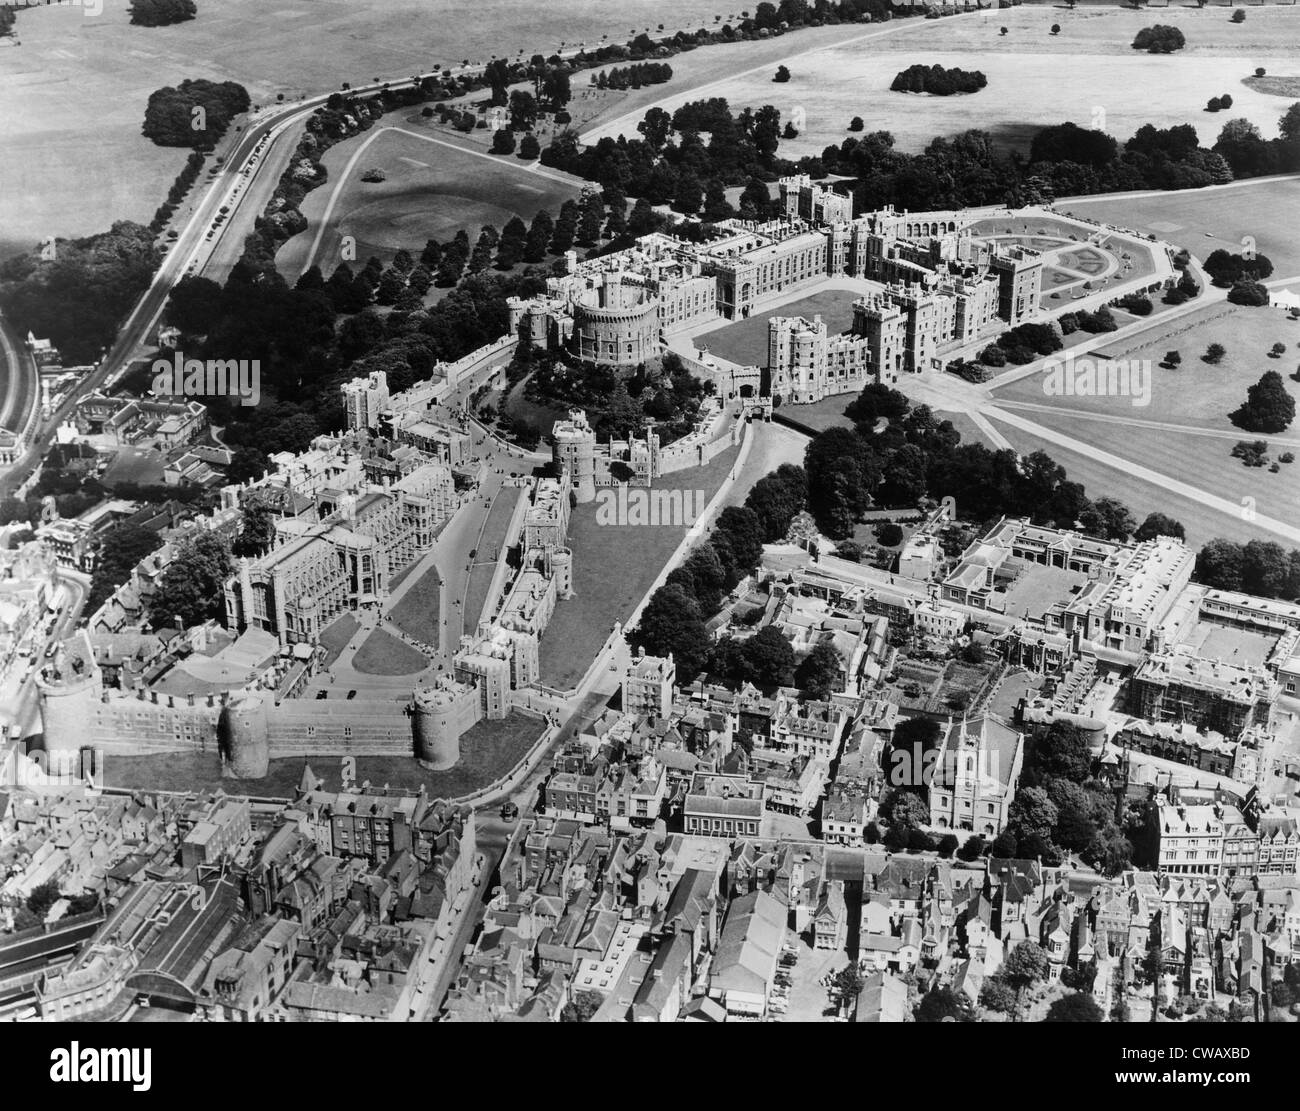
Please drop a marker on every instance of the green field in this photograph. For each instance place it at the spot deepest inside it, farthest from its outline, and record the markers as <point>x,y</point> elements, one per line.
<point>1202,523</point>
<point>487,751</point>
<point>335,636</point>
<point>1196,393</point>
<point>745,341</point>
<point>383,654</point>
<point>1034,78</point>
<point>74,92</point>
<point>433,189</point>
<point>417,614</point>
<point>1201,461</point>
<point>609,581</point>
<point>1203,220</point>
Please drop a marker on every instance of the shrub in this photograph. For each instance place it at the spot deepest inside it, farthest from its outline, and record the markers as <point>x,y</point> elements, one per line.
<point>1159,39</point>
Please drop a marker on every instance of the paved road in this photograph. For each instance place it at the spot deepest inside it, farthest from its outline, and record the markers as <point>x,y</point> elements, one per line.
<point>19,379</point>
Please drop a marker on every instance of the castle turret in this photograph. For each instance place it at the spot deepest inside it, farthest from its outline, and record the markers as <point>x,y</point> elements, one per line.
<point>439,714</point>
<point>575,454</point>
<point>242,733</point>
<point>562,570</point>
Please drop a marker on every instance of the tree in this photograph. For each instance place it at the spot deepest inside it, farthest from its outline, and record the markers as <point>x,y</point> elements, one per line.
<point>1253,294</point>
<point>1238,16</point>
<point>581,1007</point>
<point>1220,564</point>
<point>1075,1007</point>
<point>782,75</point>
<point>818,674</point>
<point>124,545</point>
<point>160,13</point>
<point>42,898</point>
<point>947,846</point>
<point>1032,813</point>
<point>856,124</point>
<point>192,587</point>
<point>503,141</point>
<point>1158,524</point>
<point>1025,965</point>
<point>849,982</point>
<point>904,810</point>
<point>1159,39</point>
<point>529,147</point>
<point>972,849</point>
<point>1214,354</point>
<point>671,623</point>
<point>257,527</point>
<point>769,658</point>
<point>1173,359</point>
<point>1269,406</point>
<point>1107,519</point>
<point>998,996</point>
<point>942,1004</point>
<point>523,110</point>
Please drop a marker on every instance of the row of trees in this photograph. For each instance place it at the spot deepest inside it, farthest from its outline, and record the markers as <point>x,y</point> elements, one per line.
<point>671,162</point>
<point>1259,567</point>
<point>914,456</point>
<point>634,76</point>
<point>674,617</point>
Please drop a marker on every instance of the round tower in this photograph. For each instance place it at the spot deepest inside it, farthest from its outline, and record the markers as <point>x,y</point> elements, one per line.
<point>242,734</point>
<point>562,570</point>
<point>435,725</point>
<point>575,453</point>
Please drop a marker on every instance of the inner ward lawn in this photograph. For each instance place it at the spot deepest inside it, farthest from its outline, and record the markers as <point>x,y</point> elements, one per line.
<point>383,654</point>
<point>613,567</point>
<point>418,612</point>
<point>745,341</point>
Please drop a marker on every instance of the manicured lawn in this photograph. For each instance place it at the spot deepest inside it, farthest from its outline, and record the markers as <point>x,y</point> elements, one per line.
<point>1201,461</point>
<point>418,612</point>
<point>336,636</point>
<point>1201,522</point>
<point>1025,70</point>
<point>1196,393</point>
<point>488,751</point>
<point>432,190</point>
<point>745,341</point>
<point>383,654</point>
<point>1203,220</point>
<point>613,567</point>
